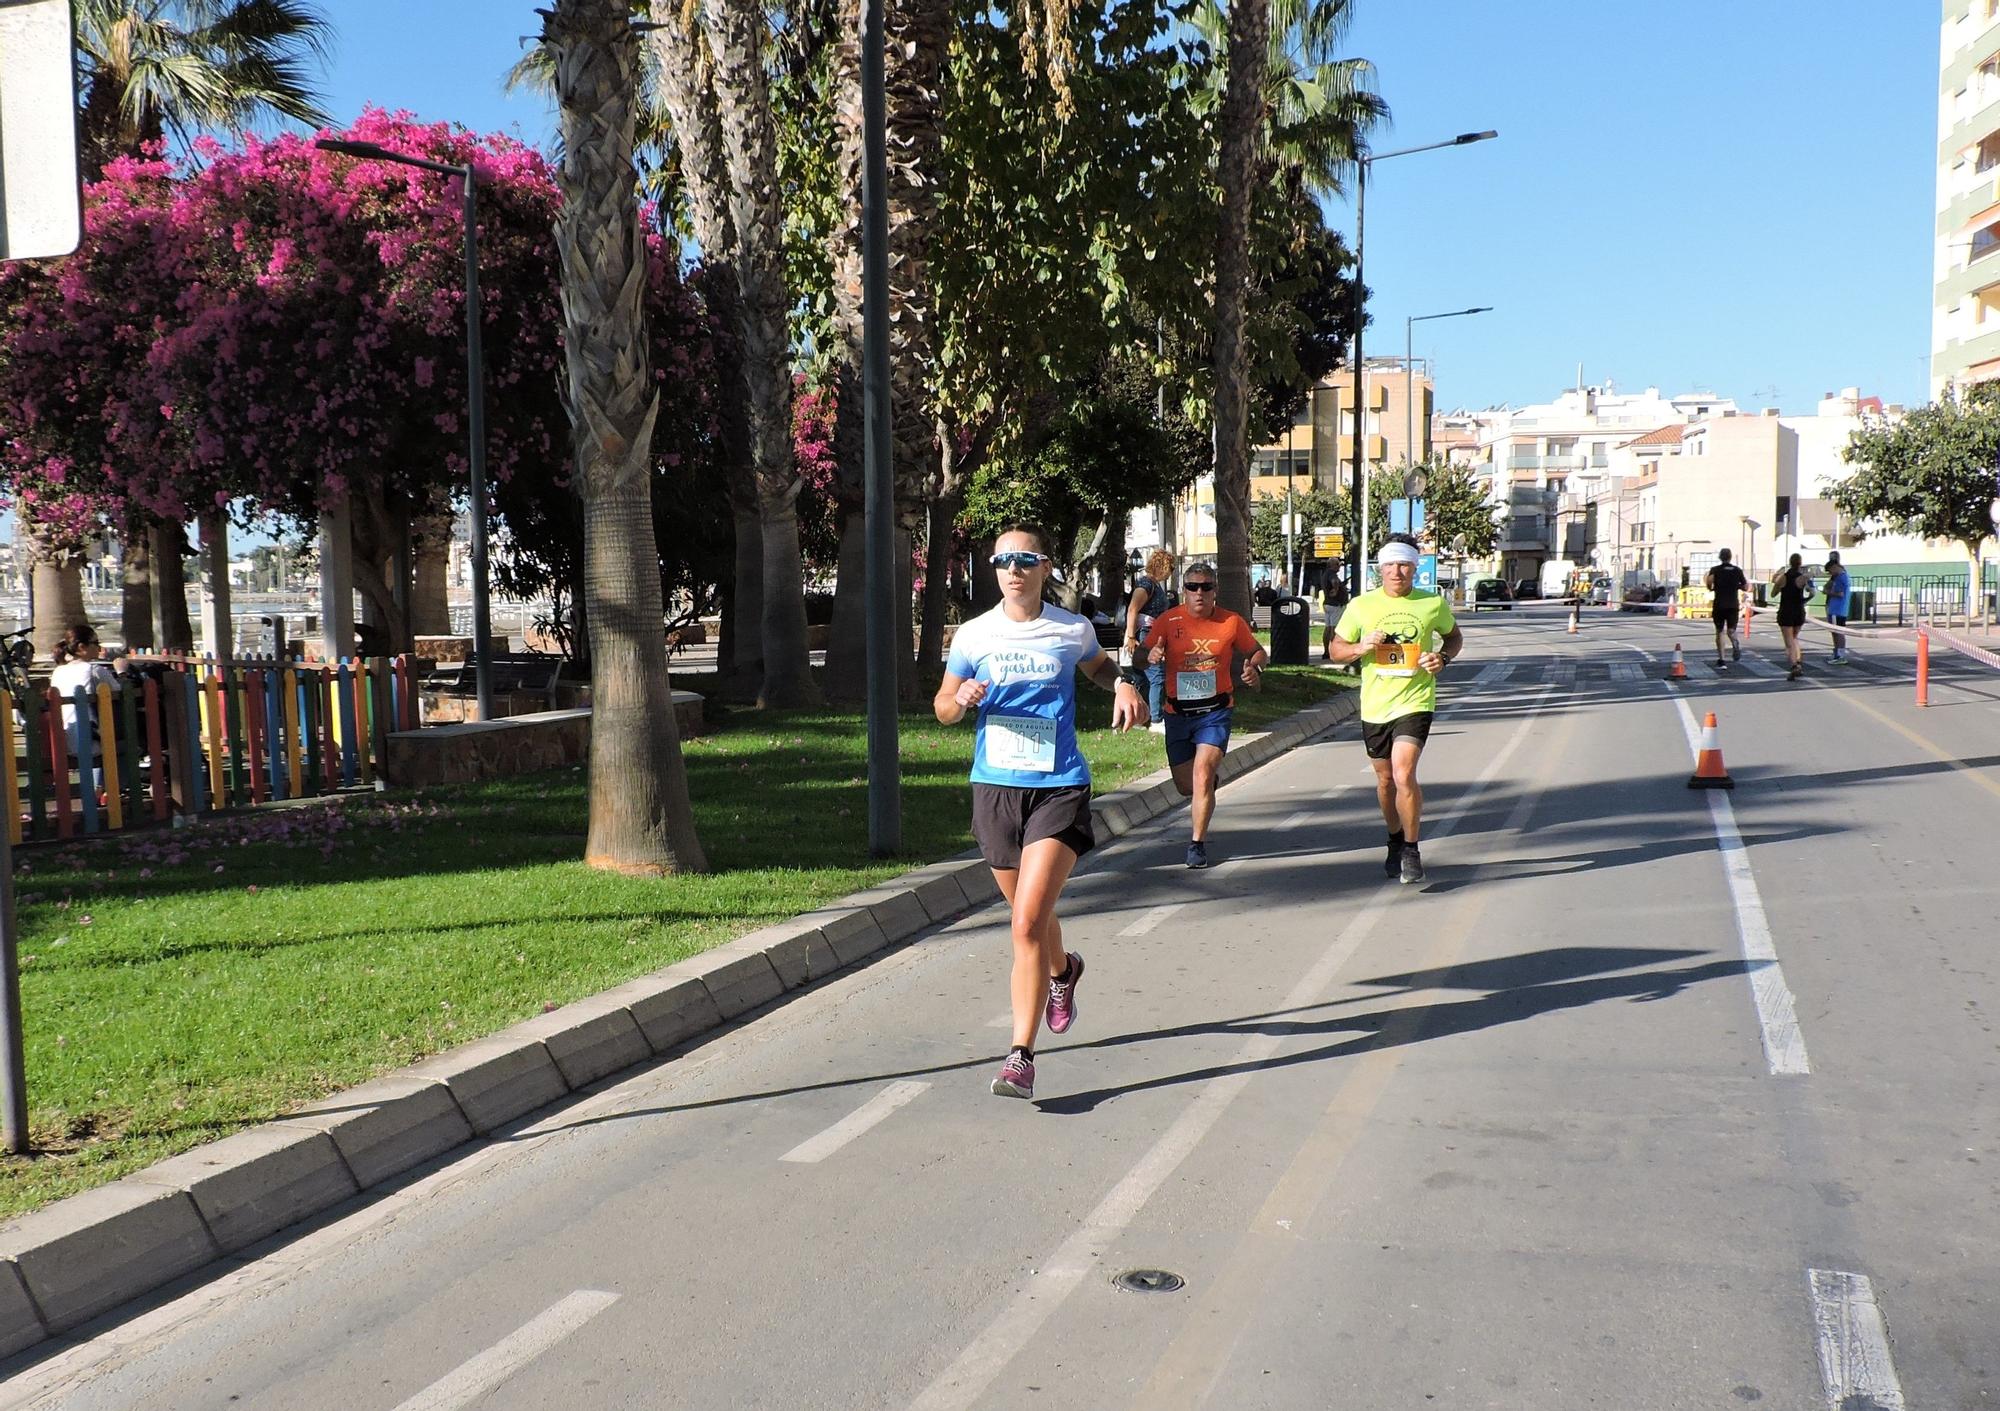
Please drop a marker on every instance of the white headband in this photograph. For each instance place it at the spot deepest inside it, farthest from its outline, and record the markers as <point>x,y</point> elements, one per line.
<point>1398,553</point>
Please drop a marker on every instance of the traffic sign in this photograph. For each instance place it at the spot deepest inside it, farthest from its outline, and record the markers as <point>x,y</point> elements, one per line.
<point>41,195</point>
<point>1328,542</point>
<point>1427,571</point>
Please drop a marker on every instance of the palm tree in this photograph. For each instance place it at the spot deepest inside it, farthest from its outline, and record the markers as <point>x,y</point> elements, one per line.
<point>154,68</point>
<point>1291,110</point>
<point>640,819</point>
<point>736,31</point>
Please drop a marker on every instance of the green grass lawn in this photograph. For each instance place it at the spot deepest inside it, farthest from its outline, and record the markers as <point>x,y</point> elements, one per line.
<point>180,985</point>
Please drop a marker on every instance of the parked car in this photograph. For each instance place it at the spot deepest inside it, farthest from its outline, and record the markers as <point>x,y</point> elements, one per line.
<point>1492,593</point>
<point>1527,588</point>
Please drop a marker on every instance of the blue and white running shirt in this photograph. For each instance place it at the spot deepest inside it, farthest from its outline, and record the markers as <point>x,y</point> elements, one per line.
<point>1027,722</point>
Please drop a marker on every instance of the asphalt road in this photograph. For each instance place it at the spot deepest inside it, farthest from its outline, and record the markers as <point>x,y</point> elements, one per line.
<point>1647,1098</point>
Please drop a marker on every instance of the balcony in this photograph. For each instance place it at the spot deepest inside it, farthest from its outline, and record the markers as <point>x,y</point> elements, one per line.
<point>1982,196</point>
<point>1981,272</point>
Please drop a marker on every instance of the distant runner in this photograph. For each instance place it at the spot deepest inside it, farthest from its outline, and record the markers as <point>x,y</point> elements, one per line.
<point>1728,584</point>
<point>1794,586</point>
<point>1390,631</point>
<point>1016,666</point>
<point>1836,606</point>
<point>1199,643</point>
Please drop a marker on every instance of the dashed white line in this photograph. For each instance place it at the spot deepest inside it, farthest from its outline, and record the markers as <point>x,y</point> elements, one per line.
<point>1493,674</point>
<point>1777,1016</point>
<point>973,1370</point>
<point>869,1114</point>
<point>1147,920</point>
<point>1854,1361</point>
<point>473,1379</point>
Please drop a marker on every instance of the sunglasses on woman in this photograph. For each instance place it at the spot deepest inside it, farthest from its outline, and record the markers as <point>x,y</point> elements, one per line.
<point>1018,558</point>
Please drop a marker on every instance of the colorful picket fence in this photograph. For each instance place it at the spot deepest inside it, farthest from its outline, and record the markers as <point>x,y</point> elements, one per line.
<point>183,735</point>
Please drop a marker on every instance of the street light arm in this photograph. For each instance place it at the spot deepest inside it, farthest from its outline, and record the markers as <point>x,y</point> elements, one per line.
<point>377,152</point>
<point>1368,158</point>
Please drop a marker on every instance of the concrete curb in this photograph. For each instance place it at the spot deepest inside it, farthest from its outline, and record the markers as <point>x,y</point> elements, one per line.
<point>79,1258</point>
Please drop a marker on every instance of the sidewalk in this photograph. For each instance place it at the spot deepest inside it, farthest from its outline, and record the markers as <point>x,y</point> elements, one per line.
<point>84,1257</point>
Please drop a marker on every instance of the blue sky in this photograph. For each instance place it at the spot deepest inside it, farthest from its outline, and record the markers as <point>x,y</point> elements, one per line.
<point>1733,197</point>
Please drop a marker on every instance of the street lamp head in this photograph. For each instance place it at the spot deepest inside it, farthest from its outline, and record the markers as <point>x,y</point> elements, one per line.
<point>357,149</point>
<point>1465,137</point>
<point>1482,309</point>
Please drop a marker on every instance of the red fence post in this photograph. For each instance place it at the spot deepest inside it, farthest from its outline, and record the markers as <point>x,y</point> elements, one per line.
<point>1923,667</point>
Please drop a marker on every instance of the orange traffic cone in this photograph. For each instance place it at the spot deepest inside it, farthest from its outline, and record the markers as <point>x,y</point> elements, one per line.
<point>1678,671</point>
<point>1708,770</point>
<point>1673,608</point>
<point>1575,611</point>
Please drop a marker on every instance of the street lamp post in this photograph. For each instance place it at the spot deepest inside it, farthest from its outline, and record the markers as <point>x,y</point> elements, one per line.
<point>1362,162</point>
<point>475,395</point>
<point>885,796</point>
<point>1410,374</point>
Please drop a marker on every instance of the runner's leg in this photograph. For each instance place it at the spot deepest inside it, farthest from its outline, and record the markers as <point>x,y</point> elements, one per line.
<point>1385,795</point>
<point>1207,764</point>
<point>1403,755</point>
<point>1031,893</point>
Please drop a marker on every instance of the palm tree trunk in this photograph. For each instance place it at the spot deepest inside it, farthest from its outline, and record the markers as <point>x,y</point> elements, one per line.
<point>1241,124</point>
<point>56,574</point>
<point>640,818</point>
<point>687,88</point>
<point>736,31</point>
<point>846,674</point>
<point>430,602</point>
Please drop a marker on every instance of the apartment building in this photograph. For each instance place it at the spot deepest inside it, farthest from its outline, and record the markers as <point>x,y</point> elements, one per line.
<point>1965,312</point>
<point>1317,449</point>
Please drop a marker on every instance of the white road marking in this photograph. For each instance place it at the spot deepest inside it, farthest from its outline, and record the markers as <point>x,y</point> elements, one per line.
<point>962,1383</point>
<point>473,1379</point>
<point>1777,1016</point>
<point>1854,1360</point>
<point>1757,666</point>
<point>1146,921</point>
<point>854,1123</point>
<point>1559,675</point>
<point>1494,674</point>
<point>1297,820</point>
<point>1627,671</point>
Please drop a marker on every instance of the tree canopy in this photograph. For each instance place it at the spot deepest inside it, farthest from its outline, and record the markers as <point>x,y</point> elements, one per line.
<point>1932,473</point>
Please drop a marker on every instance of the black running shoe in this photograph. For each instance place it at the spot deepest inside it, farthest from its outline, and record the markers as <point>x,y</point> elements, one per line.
<point>1392,865</point>
<point>1197,855</point>
<point>1412,864</point>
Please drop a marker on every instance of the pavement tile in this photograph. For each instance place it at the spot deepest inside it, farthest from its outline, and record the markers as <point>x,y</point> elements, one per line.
<point>257,1181</point>
<point>385,1127</point>
<point>94,1251</point>
<point>496,1079</point>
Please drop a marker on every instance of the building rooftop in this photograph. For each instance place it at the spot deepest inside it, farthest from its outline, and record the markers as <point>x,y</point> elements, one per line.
<point>1669,435</point>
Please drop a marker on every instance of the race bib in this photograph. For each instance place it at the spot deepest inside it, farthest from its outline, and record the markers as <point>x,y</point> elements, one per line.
<point>1396,658</point>
<point>1194,685</point>
<point>1024,742</point>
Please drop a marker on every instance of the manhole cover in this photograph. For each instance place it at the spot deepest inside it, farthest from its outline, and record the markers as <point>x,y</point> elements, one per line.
<point>1149,1281</point>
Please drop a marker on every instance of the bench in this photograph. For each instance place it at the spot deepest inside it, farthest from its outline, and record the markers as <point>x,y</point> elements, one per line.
<point>511,673</point>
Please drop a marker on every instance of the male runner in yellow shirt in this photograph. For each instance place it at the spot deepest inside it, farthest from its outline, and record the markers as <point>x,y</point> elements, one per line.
<point>1402,636</point>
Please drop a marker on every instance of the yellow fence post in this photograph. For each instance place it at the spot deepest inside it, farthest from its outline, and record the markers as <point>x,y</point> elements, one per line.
<point>13,768</point>
<point>107,751</point>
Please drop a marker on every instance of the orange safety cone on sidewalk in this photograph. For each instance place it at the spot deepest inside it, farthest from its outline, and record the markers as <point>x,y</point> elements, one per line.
<point>1708,770</point>
<point>1575,611</point>
<point>1678,671</point>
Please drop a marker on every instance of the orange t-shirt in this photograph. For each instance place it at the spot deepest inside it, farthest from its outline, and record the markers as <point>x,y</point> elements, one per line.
<point>1201,653</point>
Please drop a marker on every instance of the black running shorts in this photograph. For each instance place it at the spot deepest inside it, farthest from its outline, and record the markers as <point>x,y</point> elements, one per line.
<point>1380,739</point>
<point>1006,819</point>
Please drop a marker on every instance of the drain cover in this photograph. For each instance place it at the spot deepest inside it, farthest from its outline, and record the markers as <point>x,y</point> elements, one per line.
<point>1149,1281</point>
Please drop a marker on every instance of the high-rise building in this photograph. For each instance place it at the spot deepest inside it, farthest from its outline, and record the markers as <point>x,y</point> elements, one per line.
<point>1965,312</point>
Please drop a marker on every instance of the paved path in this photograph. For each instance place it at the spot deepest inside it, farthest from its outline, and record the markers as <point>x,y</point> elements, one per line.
<point>1649,1098</point>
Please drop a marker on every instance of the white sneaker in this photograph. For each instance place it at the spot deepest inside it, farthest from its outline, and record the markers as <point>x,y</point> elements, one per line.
<point>1158,727</point>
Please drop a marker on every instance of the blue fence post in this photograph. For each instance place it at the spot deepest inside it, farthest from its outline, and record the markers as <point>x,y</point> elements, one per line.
<point>197,766</point>
<point>346,725</point>
<point>86,777</point>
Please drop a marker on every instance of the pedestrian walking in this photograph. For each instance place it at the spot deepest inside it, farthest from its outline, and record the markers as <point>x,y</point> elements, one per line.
<point>1836,600</point>
<point>1403,636</point>
<point>1332,602</point>
<point>1794,586</point>
<point>1016,666</point>
<point>1729,584</point>
<point>1199,644</point>
<point>1150,598</point>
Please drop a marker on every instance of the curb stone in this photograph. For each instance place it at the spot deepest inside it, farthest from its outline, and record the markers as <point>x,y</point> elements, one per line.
<point>81,1257</point>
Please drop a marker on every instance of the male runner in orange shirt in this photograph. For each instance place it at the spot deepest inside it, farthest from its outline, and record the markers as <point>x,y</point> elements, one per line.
<point>1200,644</point>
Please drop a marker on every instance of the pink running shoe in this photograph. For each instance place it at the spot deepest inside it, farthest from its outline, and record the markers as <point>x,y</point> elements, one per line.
<point>1016,1077</point>
<point>1061,1012</point>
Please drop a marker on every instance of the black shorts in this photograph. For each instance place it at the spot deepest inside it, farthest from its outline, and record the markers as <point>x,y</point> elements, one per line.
<point>1006,819</point>
<point>1381,739</point>
<point>1725,620</point>
<point>1786,619</point>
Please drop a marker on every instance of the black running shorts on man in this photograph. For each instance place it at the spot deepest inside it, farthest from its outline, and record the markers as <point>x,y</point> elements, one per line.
<point>1005,819</point>
<point>1380,739</point>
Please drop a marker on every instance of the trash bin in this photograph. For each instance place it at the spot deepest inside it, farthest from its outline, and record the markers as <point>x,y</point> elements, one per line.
<point>1861,605</point>
<point>1291,632</point>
